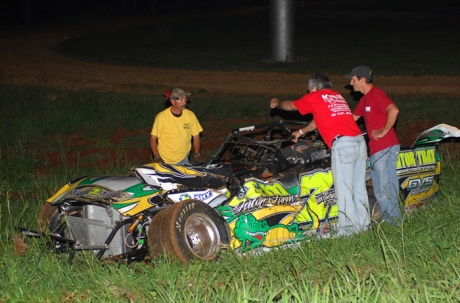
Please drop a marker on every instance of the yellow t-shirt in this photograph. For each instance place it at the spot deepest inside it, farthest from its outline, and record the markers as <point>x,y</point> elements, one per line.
<point>175,134</point>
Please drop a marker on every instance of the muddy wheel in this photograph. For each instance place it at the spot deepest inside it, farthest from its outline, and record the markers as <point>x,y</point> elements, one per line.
<point>188,230</point>
<point>47,213</point>
<point>50,221</point>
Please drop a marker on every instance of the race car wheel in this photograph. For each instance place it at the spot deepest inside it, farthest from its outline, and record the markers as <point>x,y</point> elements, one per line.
<point>188,230</point>
<point>50,221</point>
<point>47,214</point>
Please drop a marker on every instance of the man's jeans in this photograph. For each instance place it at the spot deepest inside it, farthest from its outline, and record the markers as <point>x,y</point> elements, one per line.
<point>386,183</point>
<point>349,170</point>
<point>184,161</point>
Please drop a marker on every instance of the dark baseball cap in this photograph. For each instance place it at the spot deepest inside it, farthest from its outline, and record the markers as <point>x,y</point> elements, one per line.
<point>361,71</point>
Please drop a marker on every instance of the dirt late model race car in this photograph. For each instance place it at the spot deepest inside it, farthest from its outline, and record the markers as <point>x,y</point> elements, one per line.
<point>258,191</point>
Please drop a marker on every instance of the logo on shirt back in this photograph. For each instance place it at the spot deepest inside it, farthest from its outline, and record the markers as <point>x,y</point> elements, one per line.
<point>331,99</point>
<point>186,125</point>
<point>337,105</point>
<point>368,109</point>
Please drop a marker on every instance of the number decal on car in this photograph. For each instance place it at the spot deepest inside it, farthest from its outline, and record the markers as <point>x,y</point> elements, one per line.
<point>316,187</point>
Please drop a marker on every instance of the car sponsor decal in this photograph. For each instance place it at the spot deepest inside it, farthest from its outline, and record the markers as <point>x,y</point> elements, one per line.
<point>419,188</point>
<point>418,160</point>
<point>317,189</point>
<point>251,233</point>
<point>203,196</point>
<point>261,202</point>
<point>256,188</point>
<point>184,197</point>
<point>267,214</point>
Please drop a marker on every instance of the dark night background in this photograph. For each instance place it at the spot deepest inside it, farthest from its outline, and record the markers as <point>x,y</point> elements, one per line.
<point>14,13</point>
<point>32,12</point>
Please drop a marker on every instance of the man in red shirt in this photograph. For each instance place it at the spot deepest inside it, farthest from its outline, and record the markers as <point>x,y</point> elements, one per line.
<point>335,122</point>
<point>380,114</point>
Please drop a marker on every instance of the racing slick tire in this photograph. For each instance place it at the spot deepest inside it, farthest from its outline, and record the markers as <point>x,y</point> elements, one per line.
<point>47,214</point>
<point>50,221</point>
<point>188,230</point>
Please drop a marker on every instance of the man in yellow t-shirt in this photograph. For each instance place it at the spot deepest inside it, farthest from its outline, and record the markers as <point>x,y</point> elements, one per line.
<point>172,131</point>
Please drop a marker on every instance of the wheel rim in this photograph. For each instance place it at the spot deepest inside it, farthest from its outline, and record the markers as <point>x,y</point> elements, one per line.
<point>202,236</point>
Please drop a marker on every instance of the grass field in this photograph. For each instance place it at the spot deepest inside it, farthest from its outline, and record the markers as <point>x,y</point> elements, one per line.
<point>416,262</point>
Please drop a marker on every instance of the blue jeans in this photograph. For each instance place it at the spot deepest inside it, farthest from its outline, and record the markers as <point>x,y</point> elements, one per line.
<point>385,182</point>
<point>183,161</point>
<point>348,170</point>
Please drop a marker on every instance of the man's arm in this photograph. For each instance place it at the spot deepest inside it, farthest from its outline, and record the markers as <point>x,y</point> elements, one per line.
<point>355,117</point>
<point>154,147</point>
<point>197,143</point>
<point>285,105</point>
<point>392,111</point>
<point>302,131</point>
<point>196,146</point>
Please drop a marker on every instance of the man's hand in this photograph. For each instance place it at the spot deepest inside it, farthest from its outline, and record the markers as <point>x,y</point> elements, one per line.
<point>378,133</point>
<point>297,135</point>
<point>158,159</point>
<point>197,158</point>
<point>274,102</point>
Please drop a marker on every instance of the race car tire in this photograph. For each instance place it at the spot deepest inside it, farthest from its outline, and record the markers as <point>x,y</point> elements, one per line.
<point>47,214</point>
<point>188,230</point>
<point>50,221</point>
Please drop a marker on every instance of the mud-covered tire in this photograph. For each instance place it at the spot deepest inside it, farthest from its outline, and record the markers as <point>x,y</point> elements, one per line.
<point>47,214</point>
<point>50,221</point>
<point>188,230</point>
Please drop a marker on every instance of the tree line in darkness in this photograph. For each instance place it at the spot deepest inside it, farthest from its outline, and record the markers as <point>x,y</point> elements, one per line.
<point>29,12</point>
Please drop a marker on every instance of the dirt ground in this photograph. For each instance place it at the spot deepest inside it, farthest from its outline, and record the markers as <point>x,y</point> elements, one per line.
<point>29,59</point>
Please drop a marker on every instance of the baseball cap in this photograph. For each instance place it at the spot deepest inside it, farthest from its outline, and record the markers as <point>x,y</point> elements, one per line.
<point>361,71</point>
<point>178,93</point>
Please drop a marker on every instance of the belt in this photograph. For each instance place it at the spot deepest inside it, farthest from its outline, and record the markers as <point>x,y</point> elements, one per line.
<point>335,138</point>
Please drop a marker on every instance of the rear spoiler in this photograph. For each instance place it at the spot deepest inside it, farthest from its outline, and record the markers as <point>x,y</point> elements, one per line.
<point>436,134</point>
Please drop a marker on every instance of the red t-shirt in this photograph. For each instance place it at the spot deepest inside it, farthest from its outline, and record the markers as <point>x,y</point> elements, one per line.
<point>332,115</point>
<point>373,107</point>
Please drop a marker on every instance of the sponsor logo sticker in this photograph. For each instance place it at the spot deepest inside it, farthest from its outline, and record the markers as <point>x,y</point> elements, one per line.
<point>203,196</point>
<point>184,197</point>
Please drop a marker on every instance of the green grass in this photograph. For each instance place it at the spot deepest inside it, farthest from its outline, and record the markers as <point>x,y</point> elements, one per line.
<point>46,115</point>
<point>31,114</point>
<point>416,262</point>
<point>413,263</point>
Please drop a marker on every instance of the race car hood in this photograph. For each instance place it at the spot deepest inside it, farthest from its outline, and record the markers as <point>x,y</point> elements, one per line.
<point>107,189</point>
<point>169,177</point>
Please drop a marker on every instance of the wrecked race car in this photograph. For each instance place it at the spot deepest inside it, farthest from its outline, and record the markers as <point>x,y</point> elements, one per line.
<point>258,191</point>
